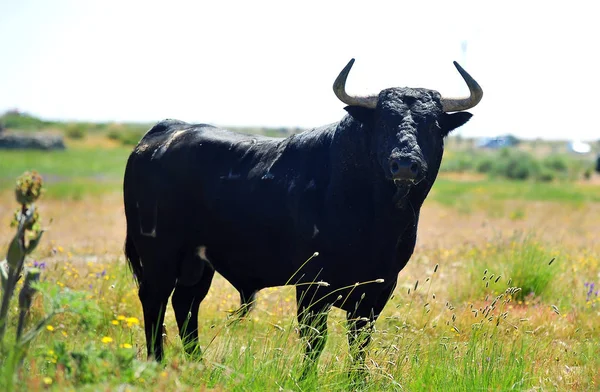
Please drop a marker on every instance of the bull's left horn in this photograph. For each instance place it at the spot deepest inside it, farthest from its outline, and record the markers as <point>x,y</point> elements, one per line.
<point>339,88</point>
<point>458,104</point>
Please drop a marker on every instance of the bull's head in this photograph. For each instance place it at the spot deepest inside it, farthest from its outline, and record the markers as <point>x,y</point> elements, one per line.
<point>408,126</point>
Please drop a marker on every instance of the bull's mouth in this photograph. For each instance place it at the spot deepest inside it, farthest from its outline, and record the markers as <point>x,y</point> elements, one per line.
<point>403,187</point>
<point>403,183</point>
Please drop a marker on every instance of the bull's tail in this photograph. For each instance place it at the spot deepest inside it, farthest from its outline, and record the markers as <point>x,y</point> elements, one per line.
<point>133,260</point>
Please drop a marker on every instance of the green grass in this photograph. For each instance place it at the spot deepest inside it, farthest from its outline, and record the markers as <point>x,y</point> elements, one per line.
<point>420,343</point>
<point>71,173</point>
<point>454,193</point>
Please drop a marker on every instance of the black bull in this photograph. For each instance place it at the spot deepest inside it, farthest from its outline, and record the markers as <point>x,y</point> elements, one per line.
<point>199,199</point>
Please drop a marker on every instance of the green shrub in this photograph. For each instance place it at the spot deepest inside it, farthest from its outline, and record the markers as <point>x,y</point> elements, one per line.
<point>459,163</point>
<point>126,135</point>
<point>131,138</point>
<point>545,175</point>
<point>114,134</point>
<point>516,165</point>
<point>556,163</point>
<point>76,131</point>
<point>486,165</point>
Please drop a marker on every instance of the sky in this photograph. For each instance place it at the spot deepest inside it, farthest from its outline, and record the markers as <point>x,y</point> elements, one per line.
<point>273,63</point>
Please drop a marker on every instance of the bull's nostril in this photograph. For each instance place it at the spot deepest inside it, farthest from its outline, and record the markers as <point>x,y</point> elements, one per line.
<point>394,167</point>
<point>414,169</point>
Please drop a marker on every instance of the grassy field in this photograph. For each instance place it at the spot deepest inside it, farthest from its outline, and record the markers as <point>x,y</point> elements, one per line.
<point>506,297</point>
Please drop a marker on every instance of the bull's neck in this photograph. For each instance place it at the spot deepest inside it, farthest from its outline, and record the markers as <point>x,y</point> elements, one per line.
<point>354,155</point>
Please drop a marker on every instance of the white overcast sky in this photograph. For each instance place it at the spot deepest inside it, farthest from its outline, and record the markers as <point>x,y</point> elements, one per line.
<point>272,63</point>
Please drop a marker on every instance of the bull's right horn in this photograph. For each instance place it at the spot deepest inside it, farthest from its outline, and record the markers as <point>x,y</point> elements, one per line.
<point>339,88</point>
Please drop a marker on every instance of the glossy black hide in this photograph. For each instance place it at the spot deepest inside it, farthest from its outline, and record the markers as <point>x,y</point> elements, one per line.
<point>199,199</point>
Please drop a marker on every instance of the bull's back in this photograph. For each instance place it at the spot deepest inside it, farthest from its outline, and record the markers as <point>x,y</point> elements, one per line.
<point>227,192</point>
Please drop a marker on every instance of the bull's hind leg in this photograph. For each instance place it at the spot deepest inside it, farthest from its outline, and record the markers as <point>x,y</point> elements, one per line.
<point>186,302</point>
<point>154,296</point>
<point>156,285</point>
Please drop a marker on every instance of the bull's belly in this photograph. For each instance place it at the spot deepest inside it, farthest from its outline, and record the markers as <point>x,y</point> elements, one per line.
<point>248,266</point>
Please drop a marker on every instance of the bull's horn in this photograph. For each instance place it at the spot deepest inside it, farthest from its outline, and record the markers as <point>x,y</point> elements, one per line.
<point>458,104</point>
<point>339,88</point>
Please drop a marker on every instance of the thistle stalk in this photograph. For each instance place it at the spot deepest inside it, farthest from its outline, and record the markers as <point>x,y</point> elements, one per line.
<point>28,235</point>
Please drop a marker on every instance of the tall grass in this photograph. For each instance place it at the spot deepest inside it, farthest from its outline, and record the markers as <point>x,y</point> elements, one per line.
<point>520,260</point>
<point>434,336</point>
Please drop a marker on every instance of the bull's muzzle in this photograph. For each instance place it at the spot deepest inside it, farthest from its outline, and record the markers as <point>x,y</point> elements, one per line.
<point>404,170</point>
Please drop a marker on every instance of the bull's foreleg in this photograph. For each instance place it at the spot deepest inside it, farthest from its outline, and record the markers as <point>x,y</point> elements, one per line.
<point>312,323</point>
<point>360,330</point>
<point>186,302</point>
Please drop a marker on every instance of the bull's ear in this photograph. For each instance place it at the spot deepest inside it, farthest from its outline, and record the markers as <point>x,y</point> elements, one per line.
<point>452,121</point>
<point>361,114</point>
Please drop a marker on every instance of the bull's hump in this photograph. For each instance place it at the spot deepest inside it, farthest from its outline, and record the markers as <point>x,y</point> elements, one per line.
<point>224,135</point>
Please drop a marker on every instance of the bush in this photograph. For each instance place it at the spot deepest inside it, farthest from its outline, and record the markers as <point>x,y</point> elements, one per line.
<point>556,163</point>
<point>486,165</point>
<point>516,165</point>
<point>545,175</point>
<point>459,163</point>
<point>75,131</point>
<point>128,136</point>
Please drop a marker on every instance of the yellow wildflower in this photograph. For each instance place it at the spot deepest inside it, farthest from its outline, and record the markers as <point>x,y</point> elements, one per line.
<point>115,322</point>
<point>47,380</point>
<point>107,339</point>
<point>49,327</point>
<point>132,321</point>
